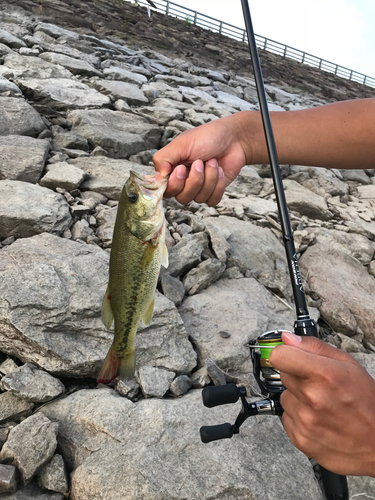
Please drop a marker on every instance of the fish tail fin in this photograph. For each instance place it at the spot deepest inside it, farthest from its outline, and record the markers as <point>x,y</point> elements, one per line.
<point>110,367</point>
<point>127,366</point>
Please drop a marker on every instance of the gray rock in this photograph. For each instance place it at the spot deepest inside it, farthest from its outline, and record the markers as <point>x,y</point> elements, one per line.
<point>154,381</point>
<point>127,92</point>
<point>172,287</point>
<point>187,253</point>
<point>7,86</point>
<point>8,479</point>
<point>62,94</point>
<point>32,491</point>
<point>64,176</point>
<point>367,361</point>
<point>234,101</point>
<point>129,389</point>
<point>200,378</point>
<point>255,251</point>
<point>31,384</point>
<point>216,374</point>
<point>22,67</point>
<point>4,431</point>
<point>348,309</point>
<point>108,176</point>
<point>165,342</point>
<point>356,245</point>
<point>27,209</point>
<point>219,243</point>
<point>53,475</point>
<point>121,134</point>
<point>371,268</point>
<point>70,140</point>
<point>121,74</point>
<point>106,223</point>
<point>13,407</point>
<point>8,366</point>
<point>203,275</point>
<point>248,182</point>
<point>30,445</point>
<point>17,117</point>
<point>11,40</point>
<point>356,176</point>
<point>75,66</point>
<point>305,202</point>
<point>22,158</point>
<point>350,345</point>
<point>323,181</point>
<point>361,487</point>
<point>50,304</point>
<point>160,115</point>
<point>367,192</point>
<point>133,437</point>
<point>55,31</point>
<point>81,230</point>
<point>180,385</point>
<point>241,307</point>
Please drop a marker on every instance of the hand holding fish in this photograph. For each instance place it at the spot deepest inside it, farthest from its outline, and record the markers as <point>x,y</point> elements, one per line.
<point>338,135</point>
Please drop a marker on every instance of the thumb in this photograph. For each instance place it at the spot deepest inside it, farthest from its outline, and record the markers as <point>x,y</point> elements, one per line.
<point>316,346</point>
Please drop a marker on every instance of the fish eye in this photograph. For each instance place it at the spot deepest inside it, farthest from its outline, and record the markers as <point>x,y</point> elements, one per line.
<point>133,197</point>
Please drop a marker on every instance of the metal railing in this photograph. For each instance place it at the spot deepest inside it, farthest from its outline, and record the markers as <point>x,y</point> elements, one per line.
<point>193,17</point>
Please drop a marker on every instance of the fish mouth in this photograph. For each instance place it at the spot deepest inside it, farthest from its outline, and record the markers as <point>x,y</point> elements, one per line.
<point>150,182</point>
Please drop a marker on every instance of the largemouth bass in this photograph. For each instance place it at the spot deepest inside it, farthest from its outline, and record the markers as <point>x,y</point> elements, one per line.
<point>138,250</point>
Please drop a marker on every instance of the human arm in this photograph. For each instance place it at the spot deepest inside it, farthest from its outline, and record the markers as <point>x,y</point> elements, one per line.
<point>329,405</point>
<point>339,135</point>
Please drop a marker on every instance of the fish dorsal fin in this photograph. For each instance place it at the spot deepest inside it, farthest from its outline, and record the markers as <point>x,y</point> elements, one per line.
<point>164,257</point>
<point>107,314</point>
<point>148,314</point>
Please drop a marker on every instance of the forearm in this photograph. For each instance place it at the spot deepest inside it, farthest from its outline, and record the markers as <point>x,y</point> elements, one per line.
<point>339,135</point>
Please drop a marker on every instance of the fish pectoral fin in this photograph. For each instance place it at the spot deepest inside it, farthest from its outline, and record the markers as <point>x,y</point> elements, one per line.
<point>164,257</point>
<point>107,314</point>
<point>148,314</point>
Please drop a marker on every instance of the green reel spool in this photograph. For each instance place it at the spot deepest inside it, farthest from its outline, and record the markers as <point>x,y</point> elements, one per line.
<point>268,341</point>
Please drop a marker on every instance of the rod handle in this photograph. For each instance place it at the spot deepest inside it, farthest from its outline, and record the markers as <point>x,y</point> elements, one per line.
<point>215,432</point>
<point>220,395</point>
<point>335,486</point>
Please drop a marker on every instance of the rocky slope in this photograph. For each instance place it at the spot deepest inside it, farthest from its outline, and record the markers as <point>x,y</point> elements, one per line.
<point>86,94</point>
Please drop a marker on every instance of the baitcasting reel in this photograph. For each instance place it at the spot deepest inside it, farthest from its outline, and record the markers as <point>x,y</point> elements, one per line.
<point>268,379</point>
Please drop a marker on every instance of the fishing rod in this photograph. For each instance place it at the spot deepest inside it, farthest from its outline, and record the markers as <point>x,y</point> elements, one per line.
<point>335,486</point>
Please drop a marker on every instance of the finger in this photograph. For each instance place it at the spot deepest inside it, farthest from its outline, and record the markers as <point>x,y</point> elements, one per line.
<point>216,196</point>
<point>316,346</point>
<point>176,181</point>
<point>193,183</point>
<point>211,176</point>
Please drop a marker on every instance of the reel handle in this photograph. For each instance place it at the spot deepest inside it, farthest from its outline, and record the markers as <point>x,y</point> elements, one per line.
<point>220,395</point>
<point>215,432</point>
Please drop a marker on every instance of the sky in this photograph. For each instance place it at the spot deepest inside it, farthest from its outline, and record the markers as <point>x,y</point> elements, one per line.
<point>340,31</point>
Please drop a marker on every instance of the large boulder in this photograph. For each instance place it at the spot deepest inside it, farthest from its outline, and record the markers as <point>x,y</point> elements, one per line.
<point>120,134</point>
<point>22,158</point>
<point>155,445</point>
<point>62,93</point>
<point>256,252</point>
<point>19,118</point>
<point>345,287</point>
<point>16,66</point>
<point>27,209</point>
<point>240,307</point>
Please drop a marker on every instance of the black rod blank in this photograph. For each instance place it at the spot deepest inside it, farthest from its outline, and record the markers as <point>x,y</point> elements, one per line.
<point>299,296</point>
